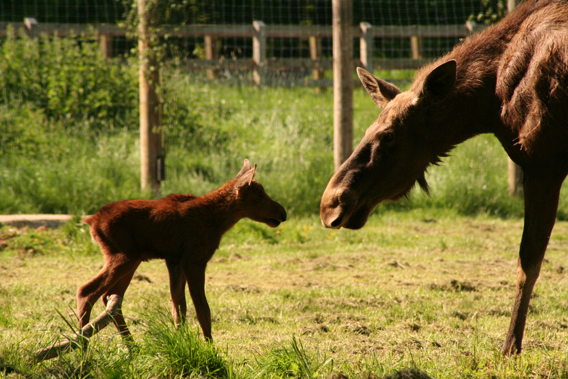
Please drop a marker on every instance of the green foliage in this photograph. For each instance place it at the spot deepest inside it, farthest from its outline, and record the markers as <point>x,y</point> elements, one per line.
<point>69,79</point>
<point>183,113</point>
<point>69,153</point>
<point>23,130</point>
<point>492,12</point>
<point>69,173</point>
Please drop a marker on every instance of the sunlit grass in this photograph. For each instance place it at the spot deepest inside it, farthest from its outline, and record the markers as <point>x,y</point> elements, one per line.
<point>429,293</point>
<point>286,131</point>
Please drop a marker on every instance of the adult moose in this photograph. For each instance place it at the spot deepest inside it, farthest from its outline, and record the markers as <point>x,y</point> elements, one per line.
<point>510,80</point>
<point>185,230</point>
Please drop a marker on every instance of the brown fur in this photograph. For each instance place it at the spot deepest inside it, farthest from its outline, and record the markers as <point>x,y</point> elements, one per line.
<point>510,80</point>
<point>185,230</point>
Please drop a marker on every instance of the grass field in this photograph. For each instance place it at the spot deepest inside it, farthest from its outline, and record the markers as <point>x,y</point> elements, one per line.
<point>287,132</point>
<point>428,294</point>
<point>424,290</point>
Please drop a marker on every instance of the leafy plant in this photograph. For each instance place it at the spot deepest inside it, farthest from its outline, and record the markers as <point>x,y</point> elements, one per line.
<point>69,79</point>
<point>493,11</point>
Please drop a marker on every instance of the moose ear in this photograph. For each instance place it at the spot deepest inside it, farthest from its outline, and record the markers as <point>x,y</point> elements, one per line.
<point>246,167</point>
<point>380,91</point>
<point>440,82</point>
<point>245,179</point>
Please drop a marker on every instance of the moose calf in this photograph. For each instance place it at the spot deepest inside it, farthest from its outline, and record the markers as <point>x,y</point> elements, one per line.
<point>185,230</point>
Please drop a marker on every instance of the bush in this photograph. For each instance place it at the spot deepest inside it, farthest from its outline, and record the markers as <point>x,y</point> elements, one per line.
<point>16,135</point>
<point>69,79</point>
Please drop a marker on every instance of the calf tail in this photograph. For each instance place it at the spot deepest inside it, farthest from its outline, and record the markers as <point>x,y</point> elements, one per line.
<point>92,222</point>
<point>89,220</point>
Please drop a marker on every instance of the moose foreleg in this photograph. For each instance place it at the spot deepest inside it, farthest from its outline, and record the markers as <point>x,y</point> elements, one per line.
<point>195,275</point>
<point>177,291</point>
<point>541,194</point>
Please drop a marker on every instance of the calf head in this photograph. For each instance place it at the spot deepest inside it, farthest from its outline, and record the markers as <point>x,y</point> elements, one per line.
<point>394,152</point>
<point>253,201</point>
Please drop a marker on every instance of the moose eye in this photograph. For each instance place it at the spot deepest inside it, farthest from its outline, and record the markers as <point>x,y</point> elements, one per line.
<point>387,138</point>
<point>365,154</point>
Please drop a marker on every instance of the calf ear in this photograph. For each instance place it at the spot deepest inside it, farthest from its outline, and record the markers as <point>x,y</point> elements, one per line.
<point>440,82</point>
<point>246,167</point>
<point>380,91</point>
<point>245,179</point>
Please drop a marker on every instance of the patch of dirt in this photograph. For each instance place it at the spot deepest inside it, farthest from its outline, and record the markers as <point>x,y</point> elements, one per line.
<point>397,264</point>
<point>408,374</point>
<point>311,330</point>
<point>461,315</point>
<point>244,289</point>
<point>357,328</point>
<point>454,285</point>
<point>349,303</point>
<point>414,327</point>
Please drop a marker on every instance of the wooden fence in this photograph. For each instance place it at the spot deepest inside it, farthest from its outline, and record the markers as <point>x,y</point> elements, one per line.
<point>259,64</point>
<point>152,157</point>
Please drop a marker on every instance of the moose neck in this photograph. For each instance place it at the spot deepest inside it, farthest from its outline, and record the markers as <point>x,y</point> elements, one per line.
<point>222,208</point>
<point>472,107</point>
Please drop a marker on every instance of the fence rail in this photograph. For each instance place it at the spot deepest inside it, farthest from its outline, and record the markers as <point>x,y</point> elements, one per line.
<point>238,30</point>
<point>259,32</point>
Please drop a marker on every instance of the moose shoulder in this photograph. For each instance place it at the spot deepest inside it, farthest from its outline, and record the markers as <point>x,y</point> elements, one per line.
<point>510,80</point>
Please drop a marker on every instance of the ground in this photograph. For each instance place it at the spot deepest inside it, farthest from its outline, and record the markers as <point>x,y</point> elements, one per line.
<point>434,293</point>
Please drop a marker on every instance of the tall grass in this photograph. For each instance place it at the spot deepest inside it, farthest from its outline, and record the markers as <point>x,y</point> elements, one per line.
<point>68,144</point>
<point>181,352</point>
<point>61,171</point>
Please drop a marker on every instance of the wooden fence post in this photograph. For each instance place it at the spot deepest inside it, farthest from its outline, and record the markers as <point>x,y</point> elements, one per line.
<point>105,40</point>
<point>259,52</point>
<point>342,15</point>
<point>315,55</point>
<point>367,46</point>
<point>211,54</point>
<point>514,172</point>
<point>416,46</point>
<point>149,77</point>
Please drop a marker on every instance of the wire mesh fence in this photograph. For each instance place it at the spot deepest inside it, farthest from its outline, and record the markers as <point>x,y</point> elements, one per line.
<point>403,33</point>
<point>70,100</point>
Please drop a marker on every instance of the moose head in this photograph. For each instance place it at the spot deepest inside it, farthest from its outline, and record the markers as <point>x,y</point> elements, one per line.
<point>395,150</point>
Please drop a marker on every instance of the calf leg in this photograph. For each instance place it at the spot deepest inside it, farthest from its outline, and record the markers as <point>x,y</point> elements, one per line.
<point>177,291</point>
<point>89,293</point>
<point>541,203</point>
<point>119,289</point>
<point>195,275</point>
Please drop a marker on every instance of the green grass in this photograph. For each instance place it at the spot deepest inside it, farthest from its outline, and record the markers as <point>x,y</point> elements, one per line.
<point>429,293</point>
<point>288,132</point>
<point>424,290</point>
<point>69,141</point>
